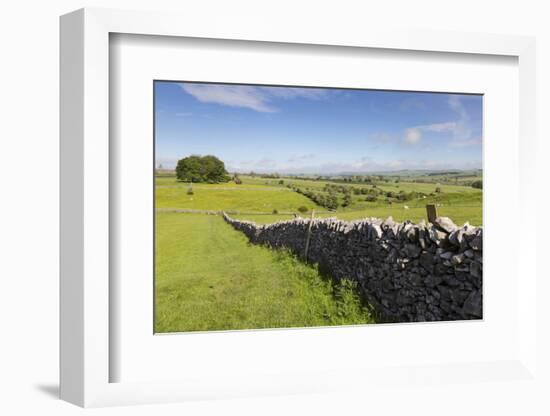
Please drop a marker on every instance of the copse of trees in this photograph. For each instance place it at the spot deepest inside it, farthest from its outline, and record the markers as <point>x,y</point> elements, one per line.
<point>329,201</point>
<point>207,168</point>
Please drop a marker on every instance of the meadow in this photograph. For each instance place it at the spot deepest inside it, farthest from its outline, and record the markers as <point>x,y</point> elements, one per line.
<point>266,200</point>
<point>208,277</point>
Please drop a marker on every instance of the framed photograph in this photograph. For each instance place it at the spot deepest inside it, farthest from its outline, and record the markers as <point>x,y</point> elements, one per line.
<point>361,233</point>
<point>269,212</point>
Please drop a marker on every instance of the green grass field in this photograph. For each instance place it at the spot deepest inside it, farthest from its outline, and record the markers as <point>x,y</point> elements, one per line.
<point>262,196</point>
<point>218,197</point>
<point>208,277</point>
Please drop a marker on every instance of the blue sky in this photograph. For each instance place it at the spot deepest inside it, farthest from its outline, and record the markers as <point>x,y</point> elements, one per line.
<point>316,130</point>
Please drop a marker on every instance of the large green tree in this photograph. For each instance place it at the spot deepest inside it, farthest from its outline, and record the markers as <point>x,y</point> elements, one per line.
<point>201,169</point>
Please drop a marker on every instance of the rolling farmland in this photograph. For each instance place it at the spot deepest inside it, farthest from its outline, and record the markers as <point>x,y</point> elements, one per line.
<point>209,278</point>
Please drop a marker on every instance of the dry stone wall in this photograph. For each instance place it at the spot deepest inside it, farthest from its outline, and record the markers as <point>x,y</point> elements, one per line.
<point>407,272</point>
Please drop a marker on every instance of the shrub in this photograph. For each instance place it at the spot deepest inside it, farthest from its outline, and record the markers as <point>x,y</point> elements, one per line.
<point>190,191</point>
<point>371,198</point>
<point>302,209</point>
<point>477,184</point>
<point>331,202</point>
<point>438,190</point>
<point>281,182</point>
<point>275,211</point>
<point>347,200</point>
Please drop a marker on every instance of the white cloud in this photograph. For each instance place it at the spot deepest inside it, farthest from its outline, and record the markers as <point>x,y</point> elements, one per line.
<point>247,96</point>
<point>462,132</point>
<point>456,106</point>
<point>230,95</point>
<point>459,129</point>
<point>294,92</point>
<point>439,127</point>
<point>413,135</point>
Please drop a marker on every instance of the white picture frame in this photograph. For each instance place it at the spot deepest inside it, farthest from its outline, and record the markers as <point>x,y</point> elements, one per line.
<point>86,356</point>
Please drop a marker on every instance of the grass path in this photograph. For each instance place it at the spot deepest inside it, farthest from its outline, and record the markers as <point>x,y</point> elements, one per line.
<point>208,277</point>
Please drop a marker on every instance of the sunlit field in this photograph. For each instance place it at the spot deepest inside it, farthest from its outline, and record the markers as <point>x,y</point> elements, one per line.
<point>267,200</point>
<point>208,277</point>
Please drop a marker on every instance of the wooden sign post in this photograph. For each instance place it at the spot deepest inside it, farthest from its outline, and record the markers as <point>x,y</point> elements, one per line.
<point>431,210</point>
<point>308,236</point>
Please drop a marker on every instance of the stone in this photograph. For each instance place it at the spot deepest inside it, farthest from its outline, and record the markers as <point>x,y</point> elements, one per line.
<point>433,281</point>
<point>427,261</point>
<point>446,306</point>
<point>445,292</point>
<point>473,304</point>
<point>412,234</point>
<point>422,237</point>
<point>387,223</point>
<point>475,269</point>
<point>397,265</point>
<point>445,224</point>
<point>413,250</point>
<point>446,255</point>
<point>476,243</point>
<point>457,259</point>
<point>451,280</point>
<point>456,237</point>
<point>416,280</point>
<point>376,230</point>
<point>459,296</point>
<point>437,236</point>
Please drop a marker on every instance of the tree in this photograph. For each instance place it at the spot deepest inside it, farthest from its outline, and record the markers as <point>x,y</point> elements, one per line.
<point>477,184</point>
<point>438,190</point>
<point>347,200</point>
<point>302,209</point>
<point>331,202</point>
<point>201,169</point>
